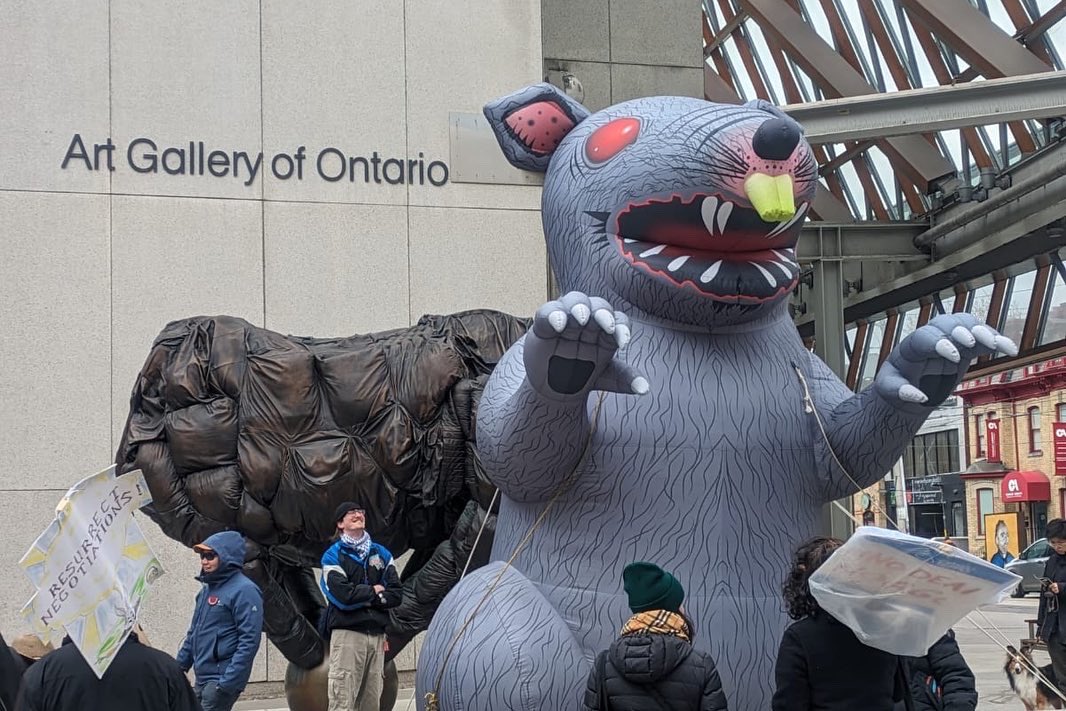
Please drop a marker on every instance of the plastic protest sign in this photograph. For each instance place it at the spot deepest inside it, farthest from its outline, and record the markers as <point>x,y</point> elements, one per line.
<point>900,593</point>
<point>92,566</point>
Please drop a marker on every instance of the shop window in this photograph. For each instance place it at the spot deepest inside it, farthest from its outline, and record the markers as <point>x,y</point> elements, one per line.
<point>1034,430</point>
<point>984,506</point>
<point>958,519</point>
<point>932,453</point>
<point>979,434</point>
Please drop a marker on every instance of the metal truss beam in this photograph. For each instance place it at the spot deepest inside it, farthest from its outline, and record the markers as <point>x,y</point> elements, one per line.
<point>975,37</point>
<point>861,241</point>
<point>911,155</point>
<point>977,239</point>
<point>1034,96</point>
<point>1027,35</point>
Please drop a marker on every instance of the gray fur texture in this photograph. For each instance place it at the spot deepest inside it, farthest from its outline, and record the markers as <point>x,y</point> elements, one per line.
<point>703,457</point>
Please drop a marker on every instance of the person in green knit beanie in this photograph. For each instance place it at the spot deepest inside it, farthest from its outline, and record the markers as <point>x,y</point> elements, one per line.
<point>653,665</point>
<point>649,587</point>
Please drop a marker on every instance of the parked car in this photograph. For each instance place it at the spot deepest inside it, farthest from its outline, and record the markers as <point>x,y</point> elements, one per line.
<point>1030,565</point>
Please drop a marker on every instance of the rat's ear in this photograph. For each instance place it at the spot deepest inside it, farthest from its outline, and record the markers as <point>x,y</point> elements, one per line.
<point>530,123</point>
<point>773,110</point>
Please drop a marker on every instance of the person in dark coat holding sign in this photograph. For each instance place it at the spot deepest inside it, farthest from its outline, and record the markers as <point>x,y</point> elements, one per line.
<point>139,678</point>
<point>1051,620</point>
<point>822,665</point>
<point>653,666</point>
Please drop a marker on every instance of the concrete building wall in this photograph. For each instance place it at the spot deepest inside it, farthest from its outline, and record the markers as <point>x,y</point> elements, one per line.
<point>624,49</point>
<point>100,255</point>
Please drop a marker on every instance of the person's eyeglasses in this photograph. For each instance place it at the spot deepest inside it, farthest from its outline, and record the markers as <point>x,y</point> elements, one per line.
<point>208,555</point>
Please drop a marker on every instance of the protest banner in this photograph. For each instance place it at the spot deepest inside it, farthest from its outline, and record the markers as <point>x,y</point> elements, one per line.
<point>92,566</point>
<point>900,593</point>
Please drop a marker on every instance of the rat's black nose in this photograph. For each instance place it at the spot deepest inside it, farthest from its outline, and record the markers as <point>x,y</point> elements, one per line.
<point>775,139</point>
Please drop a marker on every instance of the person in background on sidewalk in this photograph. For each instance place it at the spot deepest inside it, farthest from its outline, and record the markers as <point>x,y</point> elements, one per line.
<point>139,679</point>
<point>1051,621</point>
<point>360,583</point>
<point>652,666</point>
<point>941,680</point>
<point>822,665</point>
<point>227,624</point>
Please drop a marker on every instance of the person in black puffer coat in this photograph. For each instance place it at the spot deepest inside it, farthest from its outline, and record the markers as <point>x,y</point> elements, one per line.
<point>653,666</point>
<point>822,665</point>
<point>941,680</point>
<point>139,678</point>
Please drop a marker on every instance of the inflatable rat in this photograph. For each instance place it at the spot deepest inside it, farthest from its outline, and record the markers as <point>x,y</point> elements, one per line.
<point>665,409</point>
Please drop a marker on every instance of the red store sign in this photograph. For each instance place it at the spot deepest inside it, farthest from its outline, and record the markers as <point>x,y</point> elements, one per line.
<point>1060,448</point>
<point>992,440</point>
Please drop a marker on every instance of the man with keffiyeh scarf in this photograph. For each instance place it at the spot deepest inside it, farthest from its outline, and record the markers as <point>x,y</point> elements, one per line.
<point>360,583</point>
<point>653,665</point>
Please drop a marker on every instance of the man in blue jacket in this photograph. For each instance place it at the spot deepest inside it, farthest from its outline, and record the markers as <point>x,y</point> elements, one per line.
<point>360,583</point>
<point>227,624</point>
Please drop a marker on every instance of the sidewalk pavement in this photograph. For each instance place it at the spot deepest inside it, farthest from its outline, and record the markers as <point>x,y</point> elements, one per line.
<point>983,653</point>
<point>404,702</point>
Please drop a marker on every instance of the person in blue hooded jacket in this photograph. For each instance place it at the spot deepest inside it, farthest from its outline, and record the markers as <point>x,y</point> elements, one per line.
<point>227,624</point>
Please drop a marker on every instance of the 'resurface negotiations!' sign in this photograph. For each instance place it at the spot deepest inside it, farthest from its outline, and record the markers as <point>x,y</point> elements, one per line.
<point>197,158</point>
<point>92,566</point>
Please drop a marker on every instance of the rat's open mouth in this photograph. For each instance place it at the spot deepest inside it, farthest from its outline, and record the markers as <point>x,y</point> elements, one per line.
<point>721,249</point>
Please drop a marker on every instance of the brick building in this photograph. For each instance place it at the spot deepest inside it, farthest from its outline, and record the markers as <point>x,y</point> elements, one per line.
<point>1011,423</point>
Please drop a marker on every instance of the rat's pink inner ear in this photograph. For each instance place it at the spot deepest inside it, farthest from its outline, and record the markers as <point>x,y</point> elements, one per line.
<point>541,126</point>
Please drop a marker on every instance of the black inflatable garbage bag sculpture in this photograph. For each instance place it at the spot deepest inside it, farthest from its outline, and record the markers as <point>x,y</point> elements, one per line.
<point>239,428</point>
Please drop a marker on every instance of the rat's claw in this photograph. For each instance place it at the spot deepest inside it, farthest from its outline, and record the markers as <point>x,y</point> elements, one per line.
<point>557,319</point>
<point>947,350</point>
<point>985,336</point>
<point>605,319</point>
<point>909,393</point>
<point>963,336</point>
<point>1006,345</point>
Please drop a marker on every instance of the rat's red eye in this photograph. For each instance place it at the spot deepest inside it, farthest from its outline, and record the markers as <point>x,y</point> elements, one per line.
<point>609,139</point>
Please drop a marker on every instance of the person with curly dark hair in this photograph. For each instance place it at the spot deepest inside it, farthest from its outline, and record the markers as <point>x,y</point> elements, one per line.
<point>822,665</point>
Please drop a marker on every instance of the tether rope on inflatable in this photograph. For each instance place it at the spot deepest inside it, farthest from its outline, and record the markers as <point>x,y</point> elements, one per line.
<point>432,697</point>
<point>810,407</point>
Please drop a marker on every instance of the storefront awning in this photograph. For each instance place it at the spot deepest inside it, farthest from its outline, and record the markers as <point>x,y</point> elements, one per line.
<point>1025,486</point>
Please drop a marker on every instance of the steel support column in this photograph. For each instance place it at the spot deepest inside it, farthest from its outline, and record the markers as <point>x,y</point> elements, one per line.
<point>828,313</point>
<point>975,37</point>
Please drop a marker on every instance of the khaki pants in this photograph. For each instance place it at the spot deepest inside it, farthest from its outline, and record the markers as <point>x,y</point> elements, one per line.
<point>356,667</point>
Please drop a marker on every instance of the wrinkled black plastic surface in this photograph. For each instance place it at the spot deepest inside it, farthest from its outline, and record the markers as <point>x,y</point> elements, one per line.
<point>239,428</point>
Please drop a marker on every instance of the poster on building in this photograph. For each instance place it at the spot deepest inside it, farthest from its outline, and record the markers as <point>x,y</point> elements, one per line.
<point>1003,537</point>
<point>992,439</point>
<point>92,567</point>
<point>1060,448</point>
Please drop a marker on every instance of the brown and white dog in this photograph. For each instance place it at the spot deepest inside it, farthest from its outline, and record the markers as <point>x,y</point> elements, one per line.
<point>1034,692</point>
